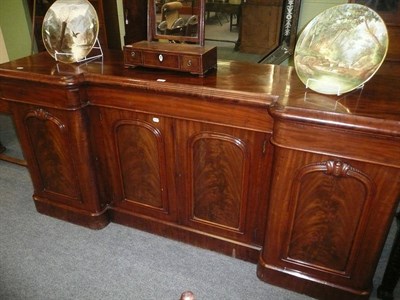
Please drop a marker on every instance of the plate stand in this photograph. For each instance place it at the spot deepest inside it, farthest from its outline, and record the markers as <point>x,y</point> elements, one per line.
<point>332,87</point>
<point>95,53</point>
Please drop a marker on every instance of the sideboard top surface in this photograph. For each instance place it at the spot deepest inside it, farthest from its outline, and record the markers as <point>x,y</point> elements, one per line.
<point>376,104</point>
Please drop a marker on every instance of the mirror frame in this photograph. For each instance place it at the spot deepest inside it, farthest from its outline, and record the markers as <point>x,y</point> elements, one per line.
<point>152,25</point>
<point>288,34</point>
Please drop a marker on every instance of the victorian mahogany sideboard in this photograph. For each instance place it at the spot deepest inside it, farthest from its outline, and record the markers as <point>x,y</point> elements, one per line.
<point>244,161</point>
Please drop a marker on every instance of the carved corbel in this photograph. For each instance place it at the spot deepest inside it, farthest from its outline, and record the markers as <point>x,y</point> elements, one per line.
<point>44,115</point>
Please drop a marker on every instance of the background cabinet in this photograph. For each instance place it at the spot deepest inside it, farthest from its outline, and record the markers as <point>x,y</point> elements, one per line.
<point>260,26</point>
<point>135,19</point>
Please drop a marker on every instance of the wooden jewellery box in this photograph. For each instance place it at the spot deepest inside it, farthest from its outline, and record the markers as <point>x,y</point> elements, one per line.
<point>175,40</point>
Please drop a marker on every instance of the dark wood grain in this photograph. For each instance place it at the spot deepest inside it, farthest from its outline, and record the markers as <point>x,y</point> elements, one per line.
<point>139,162</point>
<point>326,209</point>
<point>48,140</point>
<point>323,223</point>
<point>218,163</point>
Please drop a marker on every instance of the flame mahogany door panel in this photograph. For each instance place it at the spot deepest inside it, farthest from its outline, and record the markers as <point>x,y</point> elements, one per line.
<point>192,176</point>
<point>139,168</point>
<point>220,179</point>
<point>56,147</point>
<point>329,212</point>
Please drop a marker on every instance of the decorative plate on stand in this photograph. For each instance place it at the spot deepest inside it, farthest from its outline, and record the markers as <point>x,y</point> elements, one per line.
<point>70,29</point>
<point>341,49</point>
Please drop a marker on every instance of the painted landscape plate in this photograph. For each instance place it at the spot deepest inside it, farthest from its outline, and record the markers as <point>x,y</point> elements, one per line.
<point>70,29</point>
<point>341,49</point>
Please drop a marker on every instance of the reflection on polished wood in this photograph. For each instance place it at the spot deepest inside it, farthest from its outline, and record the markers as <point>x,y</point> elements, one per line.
<point>245,161</point>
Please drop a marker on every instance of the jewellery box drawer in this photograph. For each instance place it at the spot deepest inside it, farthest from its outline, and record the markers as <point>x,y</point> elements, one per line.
<point>191,58</point>
<point>190,63</point>
<point>158,59</point>
<point>132,57</point>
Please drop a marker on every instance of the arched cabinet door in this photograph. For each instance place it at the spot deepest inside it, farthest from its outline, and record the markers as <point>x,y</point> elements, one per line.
<point>136,162</point>
<point>56,147</point>
<point>218,170</point>
<point>48,136</point>
<point>141,161</point>
<point>323,221</point>
<point>327,201</point>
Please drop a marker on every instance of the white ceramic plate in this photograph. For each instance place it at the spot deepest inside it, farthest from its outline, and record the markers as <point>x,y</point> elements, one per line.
<point>70,29</point>
<point>341,49</point>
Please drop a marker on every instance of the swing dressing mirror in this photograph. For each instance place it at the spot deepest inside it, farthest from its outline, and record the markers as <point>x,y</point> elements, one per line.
<point>177,21</point>
<point>175,39</point>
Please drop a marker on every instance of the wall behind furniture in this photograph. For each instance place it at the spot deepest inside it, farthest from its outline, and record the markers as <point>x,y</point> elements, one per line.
<point>310,8</point>
<point>121,19</point>
<point>3,50</point>
<point>15,25</point>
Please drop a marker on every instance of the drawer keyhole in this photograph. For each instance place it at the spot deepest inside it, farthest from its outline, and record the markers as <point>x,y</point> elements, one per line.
<point>160,57</point>
<point>133,54</point>
<point>189,63</point>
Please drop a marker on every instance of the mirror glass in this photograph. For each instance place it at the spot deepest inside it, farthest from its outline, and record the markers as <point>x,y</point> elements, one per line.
<point>261,31</point>
<point>176,21</point>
